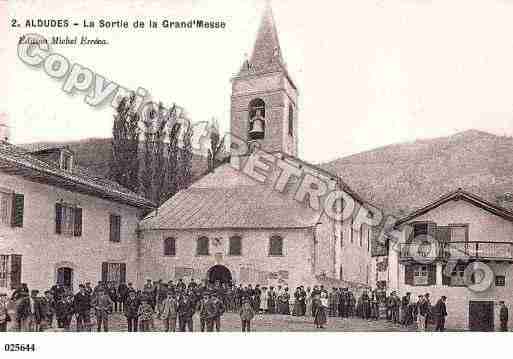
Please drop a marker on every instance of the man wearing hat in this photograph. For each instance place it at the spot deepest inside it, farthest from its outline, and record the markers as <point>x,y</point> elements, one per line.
<point>82,306</point>
<point>131,310</point>
<point>29,312</point>
<point>202,310</point>
<point>103,306</point>
<point>440,312</point>
<point>169,312</point>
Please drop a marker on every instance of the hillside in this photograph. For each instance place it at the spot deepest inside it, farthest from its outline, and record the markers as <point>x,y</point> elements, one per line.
<point>402,177</point>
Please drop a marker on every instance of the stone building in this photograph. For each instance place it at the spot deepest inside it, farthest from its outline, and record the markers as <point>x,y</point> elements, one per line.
<point>60,224</point>
<point>230,226</point>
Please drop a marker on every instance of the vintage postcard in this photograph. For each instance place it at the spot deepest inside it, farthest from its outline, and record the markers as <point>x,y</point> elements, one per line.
<point>255,166</point>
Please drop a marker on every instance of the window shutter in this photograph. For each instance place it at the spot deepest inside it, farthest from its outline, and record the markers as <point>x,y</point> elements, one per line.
<point>432,274</point>
<point>122,272</point>
<point>105,271</point>
<point>15,271</point>
<point>114,228</point>
<point>118,228</point>
<point>18,201</point>
<point>408,274</point>
<point>77,232</point>
<point>58,218</point>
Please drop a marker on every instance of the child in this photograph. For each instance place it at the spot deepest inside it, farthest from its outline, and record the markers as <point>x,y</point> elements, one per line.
<point>145,315</point>
<point>246,315</point>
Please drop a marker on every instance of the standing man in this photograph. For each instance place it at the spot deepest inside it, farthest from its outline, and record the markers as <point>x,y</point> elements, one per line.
<point>186,311</point>
<point>131,309</point>
<point>169,312</point>
<point>82,306</point>
<point>503,316</point>
<point>202,309</point>
<point>425,312</point>
<point>440,313</point>
<point>29,312</point>
<point>103,307</point>
<point>219,309</point>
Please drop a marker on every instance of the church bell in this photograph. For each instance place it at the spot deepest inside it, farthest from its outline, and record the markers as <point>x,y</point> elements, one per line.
<point>257,129</point>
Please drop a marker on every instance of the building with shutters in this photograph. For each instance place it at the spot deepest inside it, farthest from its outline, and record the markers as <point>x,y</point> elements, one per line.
<point>60,224</point>
<point>439,245</point>
<point>230,227</point>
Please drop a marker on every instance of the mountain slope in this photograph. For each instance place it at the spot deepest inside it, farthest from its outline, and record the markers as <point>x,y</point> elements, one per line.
<point>402,177</point>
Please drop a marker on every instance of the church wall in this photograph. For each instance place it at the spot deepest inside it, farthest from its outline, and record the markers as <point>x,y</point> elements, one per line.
<point>355,257</point>
<point>254,266</point>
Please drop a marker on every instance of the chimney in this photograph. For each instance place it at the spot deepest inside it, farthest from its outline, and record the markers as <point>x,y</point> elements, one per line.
<point>4,128</point>
<point>505,200</point>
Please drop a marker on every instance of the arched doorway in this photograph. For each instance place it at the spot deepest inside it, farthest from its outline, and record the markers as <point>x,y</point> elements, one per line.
<point>65,276</point>
<point>219,274</point>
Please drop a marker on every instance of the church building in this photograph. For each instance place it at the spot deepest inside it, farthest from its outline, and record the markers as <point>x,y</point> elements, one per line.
<point>230,227</point>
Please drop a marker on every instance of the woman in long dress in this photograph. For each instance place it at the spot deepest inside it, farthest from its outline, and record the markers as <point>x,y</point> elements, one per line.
<point>263,300</point>
<point>308,302</point>
<point>321,307</point>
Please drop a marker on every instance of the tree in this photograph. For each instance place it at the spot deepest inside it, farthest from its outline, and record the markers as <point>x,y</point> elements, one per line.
<point>172,174</point>
<point>185,156</point>
<point>146,181</point>
<point>216,146</point>
<point>124,166</point>
<point>159,170</point>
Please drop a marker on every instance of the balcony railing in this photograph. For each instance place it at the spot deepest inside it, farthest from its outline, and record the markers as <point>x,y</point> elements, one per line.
<point>478,250</point>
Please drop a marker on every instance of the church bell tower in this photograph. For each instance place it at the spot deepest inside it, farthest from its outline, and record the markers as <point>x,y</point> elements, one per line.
<point>264,97</point>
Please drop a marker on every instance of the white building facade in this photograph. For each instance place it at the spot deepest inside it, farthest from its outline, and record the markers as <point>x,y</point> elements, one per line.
<point>464,231</point>
<point>60,225</point>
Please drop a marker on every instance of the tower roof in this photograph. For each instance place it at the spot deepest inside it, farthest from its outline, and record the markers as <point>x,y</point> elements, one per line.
<point>267,48</point>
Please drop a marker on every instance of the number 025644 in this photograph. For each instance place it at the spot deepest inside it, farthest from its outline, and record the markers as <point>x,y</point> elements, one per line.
<point>20,347</point>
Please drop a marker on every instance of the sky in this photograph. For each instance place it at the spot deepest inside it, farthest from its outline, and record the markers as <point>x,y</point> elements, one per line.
<point>369,72</point>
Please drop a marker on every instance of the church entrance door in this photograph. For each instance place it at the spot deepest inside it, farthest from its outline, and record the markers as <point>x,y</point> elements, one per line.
<point>219,274</point>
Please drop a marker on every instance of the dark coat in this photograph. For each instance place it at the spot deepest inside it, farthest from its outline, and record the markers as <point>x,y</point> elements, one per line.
<point>186,307</point>
<point>82,303</point>
<point>132,307</point>
<point>440,309</point>
<point>504,315</point>
<point>23,309</point>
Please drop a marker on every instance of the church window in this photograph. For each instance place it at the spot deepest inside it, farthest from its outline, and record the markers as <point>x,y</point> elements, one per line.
<point>170,246</point>
<point>291,120</point>
<point>257,105</point>
<point>235,246</point>
<point>202,246</point>
<point>276,246</point>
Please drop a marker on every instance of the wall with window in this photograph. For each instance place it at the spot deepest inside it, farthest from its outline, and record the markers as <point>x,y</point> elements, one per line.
<point>253,256</point>
<point>429,277</point>
<point>91,231</point>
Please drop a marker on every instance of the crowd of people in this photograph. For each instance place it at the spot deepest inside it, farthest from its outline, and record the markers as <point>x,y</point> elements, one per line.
<point>175,304</point>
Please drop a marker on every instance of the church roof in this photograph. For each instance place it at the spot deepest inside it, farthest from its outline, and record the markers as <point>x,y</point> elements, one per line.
<point>228,199</point>
<point>267,45</point>
<point>267,55</point>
